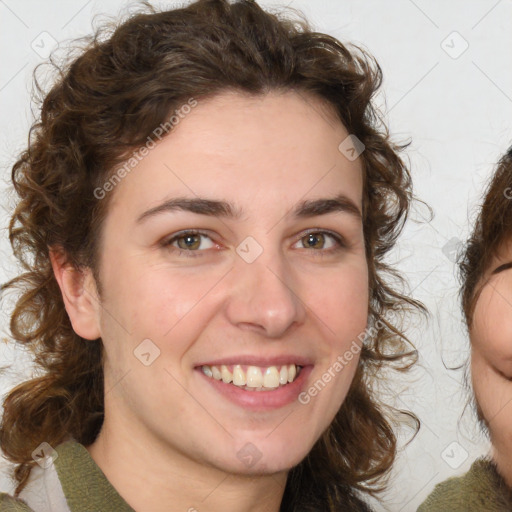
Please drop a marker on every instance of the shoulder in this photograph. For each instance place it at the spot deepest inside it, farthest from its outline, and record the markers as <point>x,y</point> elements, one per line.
<point>10,504</point>
<point>481,488</point>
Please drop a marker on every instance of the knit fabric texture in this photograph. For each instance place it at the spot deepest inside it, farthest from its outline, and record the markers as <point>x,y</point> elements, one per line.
<point>85,486</point>
<point>481,489</point>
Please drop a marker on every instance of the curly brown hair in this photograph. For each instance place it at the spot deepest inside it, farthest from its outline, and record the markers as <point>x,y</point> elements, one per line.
<point>493,227</point>
<point>104,105</point>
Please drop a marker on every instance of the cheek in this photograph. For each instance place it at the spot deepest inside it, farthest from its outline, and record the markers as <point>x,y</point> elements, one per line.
<point>491,332</point>
<point>494,396</point>
<point>491,360</point>
<point>343,304</point>
<point>482,384</point>
<point>343,310</point>
<point>154,300</point>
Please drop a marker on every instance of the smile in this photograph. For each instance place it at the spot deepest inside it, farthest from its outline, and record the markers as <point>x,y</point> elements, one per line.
<point>254,378</point>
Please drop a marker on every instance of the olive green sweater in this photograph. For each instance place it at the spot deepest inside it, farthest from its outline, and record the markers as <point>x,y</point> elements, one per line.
<point>75,483</point>
<point>481,489</point>
<point>79,485</point>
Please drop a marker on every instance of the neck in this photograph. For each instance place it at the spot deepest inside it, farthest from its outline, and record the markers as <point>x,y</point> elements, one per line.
<point>151,475</point>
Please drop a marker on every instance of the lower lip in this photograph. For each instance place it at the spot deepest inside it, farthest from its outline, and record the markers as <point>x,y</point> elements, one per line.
<point>261,400</point>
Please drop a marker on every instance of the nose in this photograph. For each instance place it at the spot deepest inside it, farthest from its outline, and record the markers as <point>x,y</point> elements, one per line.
<point>264,296</point>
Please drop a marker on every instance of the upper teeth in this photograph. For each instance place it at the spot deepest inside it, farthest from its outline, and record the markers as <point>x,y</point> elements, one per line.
<point>255,376</point>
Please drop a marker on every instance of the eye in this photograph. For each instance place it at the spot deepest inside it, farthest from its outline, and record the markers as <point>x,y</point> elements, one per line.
<point>189,242</point>
<point>192,243</point>
<point>325,240</point>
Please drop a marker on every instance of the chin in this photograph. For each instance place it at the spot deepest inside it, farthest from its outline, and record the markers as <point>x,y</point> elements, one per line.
<point>267,467</point>
<point>260,458</point>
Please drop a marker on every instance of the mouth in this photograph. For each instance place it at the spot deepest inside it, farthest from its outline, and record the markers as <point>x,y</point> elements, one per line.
<point>257,384</point>
<point>254,378</point>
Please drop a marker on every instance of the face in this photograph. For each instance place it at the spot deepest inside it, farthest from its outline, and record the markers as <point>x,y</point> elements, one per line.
<point>491,357</point>
<point>234,251</point>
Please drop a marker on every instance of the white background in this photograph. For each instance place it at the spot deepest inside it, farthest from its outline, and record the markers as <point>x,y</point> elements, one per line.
<point>456,111</point>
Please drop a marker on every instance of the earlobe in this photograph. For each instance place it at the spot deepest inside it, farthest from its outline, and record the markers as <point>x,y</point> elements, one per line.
<point>79,294</point>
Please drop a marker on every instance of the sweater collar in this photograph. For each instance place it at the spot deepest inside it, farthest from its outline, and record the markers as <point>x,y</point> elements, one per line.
<point>84,484</point>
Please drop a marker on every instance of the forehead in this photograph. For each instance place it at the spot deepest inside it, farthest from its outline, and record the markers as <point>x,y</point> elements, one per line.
<point>274,147</point>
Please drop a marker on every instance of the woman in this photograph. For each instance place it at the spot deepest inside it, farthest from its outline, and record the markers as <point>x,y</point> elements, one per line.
<point>487,303</point>
<point>204,210</point>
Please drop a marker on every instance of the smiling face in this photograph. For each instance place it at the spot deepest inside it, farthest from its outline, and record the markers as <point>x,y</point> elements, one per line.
<point>234,250</point>
<point>491,357</point>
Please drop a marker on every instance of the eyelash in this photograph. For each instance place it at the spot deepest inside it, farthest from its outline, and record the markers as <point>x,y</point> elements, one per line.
<point>340,243</point>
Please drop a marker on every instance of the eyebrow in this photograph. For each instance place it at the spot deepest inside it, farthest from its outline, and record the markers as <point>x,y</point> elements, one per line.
<point>501,268</point>
<point>202,206</point>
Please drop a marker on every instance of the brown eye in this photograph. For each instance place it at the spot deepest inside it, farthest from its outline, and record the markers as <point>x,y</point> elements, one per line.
<point>315,240</point>
<point>190,242</point>
<point>324,242</point>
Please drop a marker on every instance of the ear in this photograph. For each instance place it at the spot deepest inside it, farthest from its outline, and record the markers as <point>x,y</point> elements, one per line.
<point>79,293</point>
